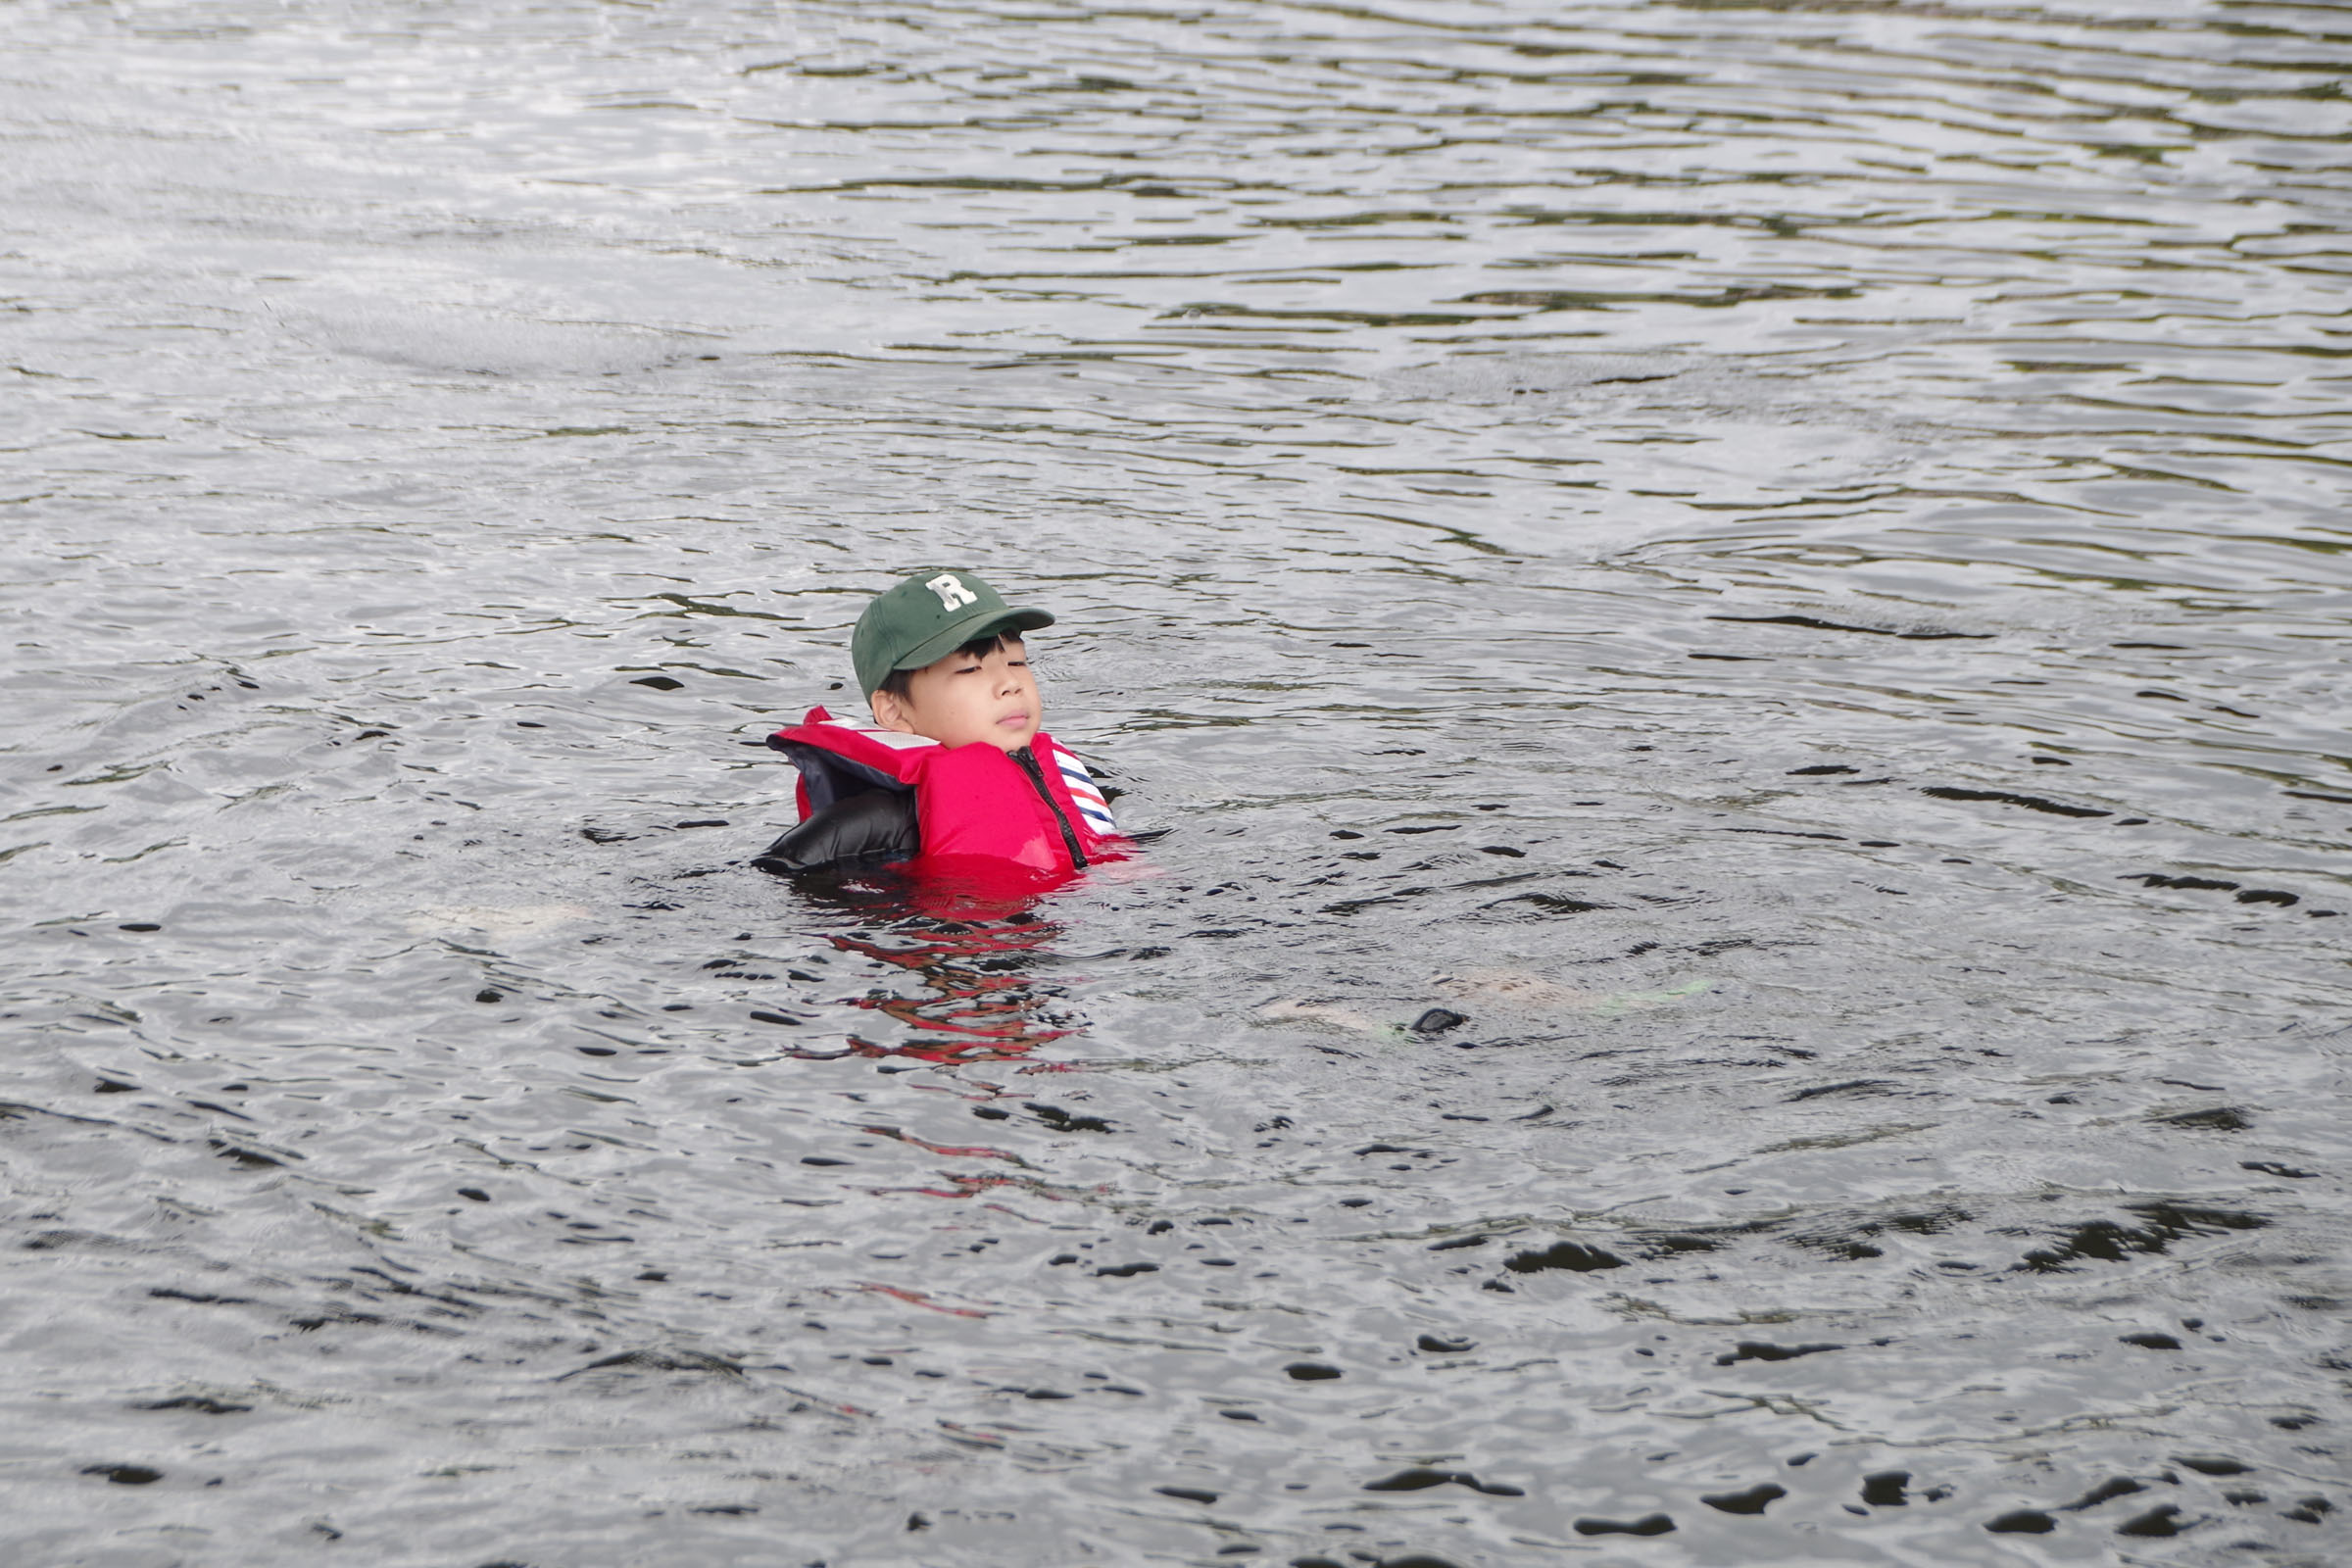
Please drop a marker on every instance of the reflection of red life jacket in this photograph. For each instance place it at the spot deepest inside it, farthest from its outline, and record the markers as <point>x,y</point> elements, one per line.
<point>1039,807</point>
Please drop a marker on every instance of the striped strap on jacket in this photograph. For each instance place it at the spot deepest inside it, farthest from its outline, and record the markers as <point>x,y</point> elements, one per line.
<point>1085,790</point>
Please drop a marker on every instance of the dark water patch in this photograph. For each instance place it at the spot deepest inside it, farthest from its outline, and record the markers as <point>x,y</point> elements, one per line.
<point>1546,904</point>
<point>1851,1087</point>
<point>2022,1521</point>
<point>1352,907</point>
<point>1887,1488</point>
<point>1816,623</point>
<point>249,1157</point>
<point>1066,1121</point>
<point>2218,1119</point>
<point>1544,300</point>
<point>1753,1500</point>
<point>2162,1520</point>
<point>1419,1478</point>
<point>124,1475</point>
<point>1761,1350</point>
<point>653,1361</point>
<point>1655,1524</point>
<point>2031,803</point>
<point>202,1403</point>
<point>61,1239</point>
<point>1856,1241</point>
<point>2159,1224</point>
<point>2105,1492</point>
<point>1572,1256</point>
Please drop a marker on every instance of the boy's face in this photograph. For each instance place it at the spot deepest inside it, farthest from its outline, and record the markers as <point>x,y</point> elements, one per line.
<point>966,697</point>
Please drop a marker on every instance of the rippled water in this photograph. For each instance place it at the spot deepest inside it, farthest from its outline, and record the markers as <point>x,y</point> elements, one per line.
<point>1782,561</point>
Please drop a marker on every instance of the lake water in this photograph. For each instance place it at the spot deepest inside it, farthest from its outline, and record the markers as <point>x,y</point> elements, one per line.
<point>1782,562</point>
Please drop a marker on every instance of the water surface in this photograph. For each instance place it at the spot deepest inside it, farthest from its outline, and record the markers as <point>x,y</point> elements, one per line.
<point>1782,562</point>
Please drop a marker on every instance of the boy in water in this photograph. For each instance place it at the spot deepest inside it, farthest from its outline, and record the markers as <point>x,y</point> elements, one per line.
<point>954,766</point>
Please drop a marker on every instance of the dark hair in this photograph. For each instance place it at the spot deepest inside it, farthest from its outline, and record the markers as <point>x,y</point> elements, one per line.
<point>900,683</point>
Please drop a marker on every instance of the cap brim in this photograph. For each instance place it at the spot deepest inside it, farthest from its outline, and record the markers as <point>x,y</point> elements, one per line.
<point>970,629</point>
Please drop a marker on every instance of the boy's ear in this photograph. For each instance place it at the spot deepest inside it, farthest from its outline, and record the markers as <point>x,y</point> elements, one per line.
<point>890,712</point>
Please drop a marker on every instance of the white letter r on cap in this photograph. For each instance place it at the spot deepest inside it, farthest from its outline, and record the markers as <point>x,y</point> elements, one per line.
<point>951,591</point>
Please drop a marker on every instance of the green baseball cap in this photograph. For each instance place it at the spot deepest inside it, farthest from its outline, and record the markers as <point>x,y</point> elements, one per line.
<point>927,617</point>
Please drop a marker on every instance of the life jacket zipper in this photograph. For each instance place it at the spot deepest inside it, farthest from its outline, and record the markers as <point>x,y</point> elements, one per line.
<point>1036,777</point>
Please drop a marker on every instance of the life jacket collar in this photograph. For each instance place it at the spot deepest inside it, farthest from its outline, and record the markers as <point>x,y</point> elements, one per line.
<point>1042,811</point>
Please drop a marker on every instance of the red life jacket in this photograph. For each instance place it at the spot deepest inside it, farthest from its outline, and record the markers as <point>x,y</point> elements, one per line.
<point>1041,809</point>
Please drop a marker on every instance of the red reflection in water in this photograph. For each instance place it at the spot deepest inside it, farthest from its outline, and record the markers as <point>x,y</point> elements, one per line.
<point>919,1298</point>
<point>961,1186</point>
<point>966,930</point>
<point>952,1150</point>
